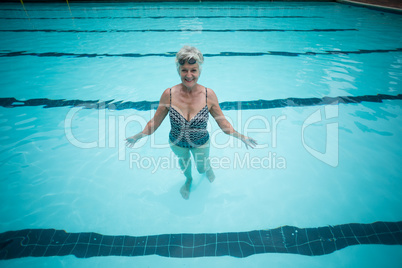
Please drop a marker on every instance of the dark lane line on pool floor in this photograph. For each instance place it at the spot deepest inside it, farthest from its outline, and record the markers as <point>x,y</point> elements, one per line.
<point>159,8</point>
<point>286,239</point>
<point>5,54</point>
<point>172,30</point>
<point>228,105</point>
<point>172,17</point>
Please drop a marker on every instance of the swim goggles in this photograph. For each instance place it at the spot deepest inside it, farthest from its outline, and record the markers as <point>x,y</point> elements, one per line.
<point>190,61</point>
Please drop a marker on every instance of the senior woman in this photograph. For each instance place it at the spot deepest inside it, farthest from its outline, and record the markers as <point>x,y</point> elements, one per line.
<point>189,105</point>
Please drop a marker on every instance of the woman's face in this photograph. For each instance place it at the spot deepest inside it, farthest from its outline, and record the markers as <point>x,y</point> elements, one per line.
<point>189,74</point>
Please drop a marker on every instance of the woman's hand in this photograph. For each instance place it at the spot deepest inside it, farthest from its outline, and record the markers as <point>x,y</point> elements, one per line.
<point>130,141</point>
<point>249,142</point>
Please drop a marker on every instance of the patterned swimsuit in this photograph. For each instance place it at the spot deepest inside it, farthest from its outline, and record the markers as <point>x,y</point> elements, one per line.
<point>189,134</point>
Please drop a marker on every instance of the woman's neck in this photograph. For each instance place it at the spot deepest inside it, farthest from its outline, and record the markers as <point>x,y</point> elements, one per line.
<point>189,89</point>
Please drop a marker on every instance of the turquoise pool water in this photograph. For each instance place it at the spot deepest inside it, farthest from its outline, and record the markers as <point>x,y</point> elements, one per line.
<point>302,79</point>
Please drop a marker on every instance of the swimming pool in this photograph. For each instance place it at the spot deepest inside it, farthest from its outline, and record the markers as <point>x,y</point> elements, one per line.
<point>317,84</point>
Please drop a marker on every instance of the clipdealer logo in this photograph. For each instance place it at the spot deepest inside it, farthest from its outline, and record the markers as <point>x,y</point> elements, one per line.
<point>112,132</point>
<point>331,154</point>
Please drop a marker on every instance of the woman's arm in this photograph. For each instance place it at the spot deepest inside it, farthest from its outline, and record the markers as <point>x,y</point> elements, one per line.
<point>155,122</point>
<point>223,123</point>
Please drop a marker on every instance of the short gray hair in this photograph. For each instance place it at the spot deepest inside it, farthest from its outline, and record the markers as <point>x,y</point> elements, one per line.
<point>188,52</point>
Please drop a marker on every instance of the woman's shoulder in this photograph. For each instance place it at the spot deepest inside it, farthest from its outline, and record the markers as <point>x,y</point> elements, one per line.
<point>202,88</point>
<point>210,92</point>
<point>165,98</point>
<point>172,89</point>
